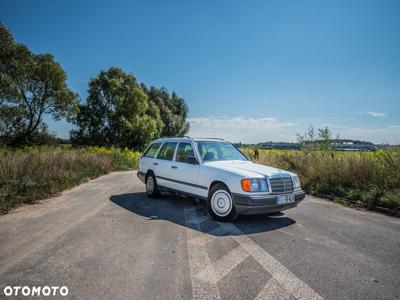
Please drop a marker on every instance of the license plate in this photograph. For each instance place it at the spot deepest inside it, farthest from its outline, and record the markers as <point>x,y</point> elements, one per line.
<point>284,199</point>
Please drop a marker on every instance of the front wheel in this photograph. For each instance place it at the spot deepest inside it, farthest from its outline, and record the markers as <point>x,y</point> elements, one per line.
<point>220,203</point>
<point>152,189</point>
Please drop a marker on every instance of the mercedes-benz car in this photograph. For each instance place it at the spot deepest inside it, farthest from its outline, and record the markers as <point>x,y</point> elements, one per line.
<point>218,172</point>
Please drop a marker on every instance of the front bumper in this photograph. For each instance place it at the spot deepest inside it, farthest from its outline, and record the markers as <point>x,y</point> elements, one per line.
<point>252,204</point>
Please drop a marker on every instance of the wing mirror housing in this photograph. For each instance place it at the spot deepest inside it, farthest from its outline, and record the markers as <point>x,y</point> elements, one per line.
<point>192,160</point>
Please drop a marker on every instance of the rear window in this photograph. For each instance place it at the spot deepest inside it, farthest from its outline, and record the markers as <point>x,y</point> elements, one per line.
<point>167,151</point>
<point>152,150</point>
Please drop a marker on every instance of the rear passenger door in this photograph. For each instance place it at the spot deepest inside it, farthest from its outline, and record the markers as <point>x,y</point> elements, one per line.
<point>147,159</point>
<point>164,164</point>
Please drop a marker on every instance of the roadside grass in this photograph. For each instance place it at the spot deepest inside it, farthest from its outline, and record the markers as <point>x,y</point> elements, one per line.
<point>357,178</point>
<point>367,178</point>
<point>34,173</point>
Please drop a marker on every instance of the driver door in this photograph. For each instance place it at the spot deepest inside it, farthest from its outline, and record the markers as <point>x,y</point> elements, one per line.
<point>185,172</point>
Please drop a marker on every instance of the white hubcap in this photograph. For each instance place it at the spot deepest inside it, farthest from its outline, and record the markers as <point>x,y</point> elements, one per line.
<point>150,185</point>
<point>221,203</point>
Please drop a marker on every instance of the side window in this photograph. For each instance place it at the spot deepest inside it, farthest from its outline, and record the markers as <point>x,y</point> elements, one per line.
<point>167,151</point>
<point>184,151</point>
<point>209,150</point>
<point>152,150</point>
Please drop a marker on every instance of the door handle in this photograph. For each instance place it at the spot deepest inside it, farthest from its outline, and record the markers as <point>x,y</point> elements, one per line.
<point>156,164</point>
<point>174,167</point>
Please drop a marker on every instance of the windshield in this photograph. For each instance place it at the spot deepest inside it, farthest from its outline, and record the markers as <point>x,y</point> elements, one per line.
<point>214,150</point>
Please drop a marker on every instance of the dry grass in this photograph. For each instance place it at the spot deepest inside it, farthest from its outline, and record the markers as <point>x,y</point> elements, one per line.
<point>32,174</point>
<point>372,178</point>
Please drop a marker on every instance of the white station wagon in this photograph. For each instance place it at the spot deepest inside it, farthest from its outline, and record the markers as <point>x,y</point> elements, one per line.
<point>218,172</point>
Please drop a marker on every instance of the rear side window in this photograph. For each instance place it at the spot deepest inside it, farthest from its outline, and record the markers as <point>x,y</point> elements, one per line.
<point>152,150</point>
<point>184,151</point>
<point>167,151</point>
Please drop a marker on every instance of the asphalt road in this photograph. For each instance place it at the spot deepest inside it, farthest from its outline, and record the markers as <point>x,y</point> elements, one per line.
<point>106,239</point>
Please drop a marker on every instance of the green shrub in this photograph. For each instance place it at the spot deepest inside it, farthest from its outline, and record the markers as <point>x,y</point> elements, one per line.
<point>34,173</point>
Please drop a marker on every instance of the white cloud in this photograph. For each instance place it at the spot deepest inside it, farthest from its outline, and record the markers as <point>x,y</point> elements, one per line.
<point>373,114</point>
<point>255,130</point>
<point>376,114</point>
<point>242,129</point>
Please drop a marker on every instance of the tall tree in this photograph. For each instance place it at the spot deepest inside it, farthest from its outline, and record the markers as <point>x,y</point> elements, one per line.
<point>31,85</point>
<point>173,111</point>
<point>117,113</point>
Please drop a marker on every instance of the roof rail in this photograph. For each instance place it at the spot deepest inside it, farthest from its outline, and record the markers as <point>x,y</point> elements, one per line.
<point>210,138</point>
<point>177,137</point>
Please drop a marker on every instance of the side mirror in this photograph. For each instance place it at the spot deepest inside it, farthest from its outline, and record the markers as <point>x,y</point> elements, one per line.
<point>192,160</point>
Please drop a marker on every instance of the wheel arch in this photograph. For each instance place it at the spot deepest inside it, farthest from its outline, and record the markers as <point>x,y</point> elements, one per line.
<point>215,182</point>
<point>149,171</point>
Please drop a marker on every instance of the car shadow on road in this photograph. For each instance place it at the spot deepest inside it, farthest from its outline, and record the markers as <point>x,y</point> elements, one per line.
<point>172,208</point>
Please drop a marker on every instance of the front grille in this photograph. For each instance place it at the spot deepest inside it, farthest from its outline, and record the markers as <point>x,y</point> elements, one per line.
<point>281,183</point>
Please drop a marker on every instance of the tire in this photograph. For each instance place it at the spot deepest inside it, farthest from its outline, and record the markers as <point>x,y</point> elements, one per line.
<point>152,189</point>
<point>277,213</point>
<point>220,203</point>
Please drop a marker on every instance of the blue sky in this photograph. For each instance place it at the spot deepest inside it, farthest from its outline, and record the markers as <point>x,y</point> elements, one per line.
<point>249,70</point>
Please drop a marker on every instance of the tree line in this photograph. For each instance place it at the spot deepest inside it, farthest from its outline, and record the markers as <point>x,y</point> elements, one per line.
<point>118,110</point>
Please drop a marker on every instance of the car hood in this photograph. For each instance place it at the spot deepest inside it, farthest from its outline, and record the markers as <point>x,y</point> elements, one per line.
<point>246,168</point>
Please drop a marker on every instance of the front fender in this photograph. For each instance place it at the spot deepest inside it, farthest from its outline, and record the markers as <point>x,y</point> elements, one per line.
<point>209,175</point>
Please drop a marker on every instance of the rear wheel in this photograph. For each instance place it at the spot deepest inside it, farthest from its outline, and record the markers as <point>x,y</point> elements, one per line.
<point>152,189</point>
<point>220,203</point>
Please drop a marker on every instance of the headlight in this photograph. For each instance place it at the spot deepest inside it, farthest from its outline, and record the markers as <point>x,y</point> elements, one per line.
<point>296,182</point>
<point>255,185</point>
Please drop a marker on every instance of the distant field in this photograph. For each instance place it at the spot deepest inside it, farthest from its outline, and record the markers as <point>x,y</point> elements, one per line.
<point>370,178</point>
<point>31,174</point>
